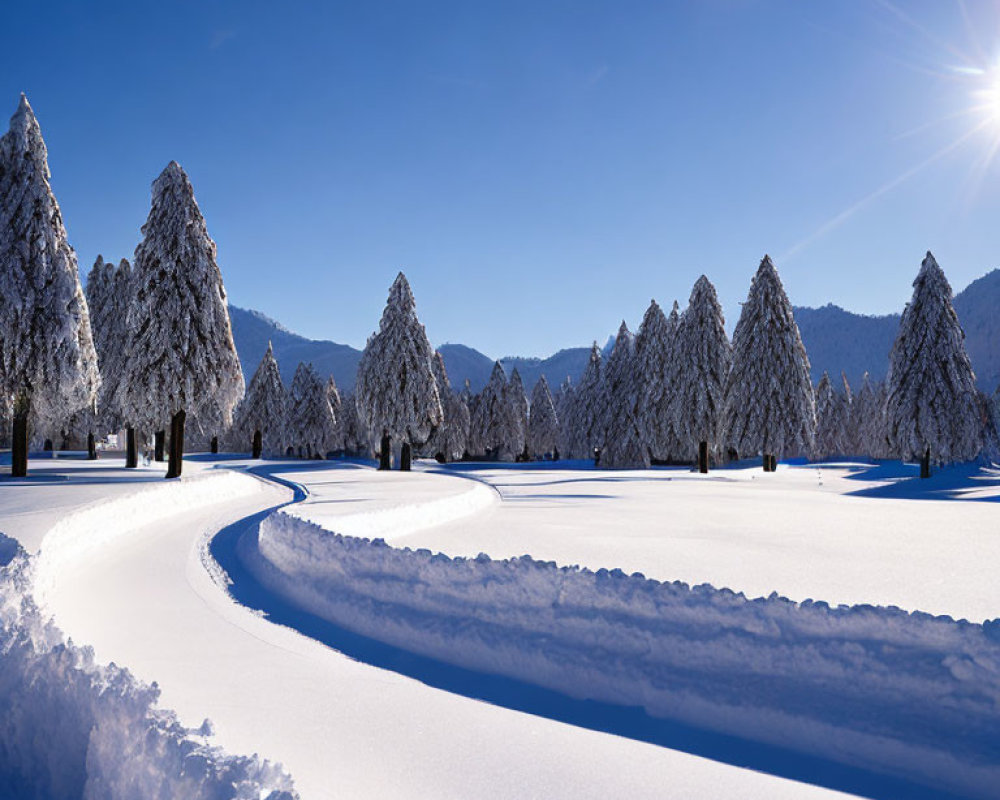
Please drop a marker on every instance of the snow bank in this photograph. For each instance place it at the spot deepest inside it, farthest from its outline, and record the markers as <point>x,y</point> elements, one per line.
<point>905,694</point>
<point>72,728</point>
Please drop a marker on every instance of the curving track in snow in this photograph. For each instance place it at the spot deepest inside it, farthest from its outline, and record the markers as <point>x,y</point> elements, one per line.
<point>137,586</point>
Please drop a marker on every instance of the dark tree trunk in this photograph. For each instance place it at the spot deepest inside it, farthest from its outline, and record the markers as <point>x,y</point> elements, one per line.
<point>703,458</point>
<point>19,445</point>
<point>925,464</point>
<point>131,449</point>
<point>555,454</point>
<point>770,462</point>
<point>47,447</point>
<point>774,463</point>
<point>405,457</point>
<point>91,447</point>
<point>258,445</point>
<point>159,439</point>
<point>215,444</point>
<point>384,455</point>
<point>176,462</point>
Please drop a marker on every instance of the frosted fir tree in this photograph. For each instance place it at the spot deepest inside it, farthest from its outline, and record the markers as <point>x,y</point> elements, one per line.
<point>48,363</point>
<point>624,447</point>
<point>517,402</point>
<point>336,406</point>
<point>543,423</point>
<point>261,420</point>
<point>827,420</point>
<point>449,440</point>
<point>703,357</point>
<point>494,426</point>
<point>588,414</point>
<point>396,392</point>
<point>845,412</point>
<point>312,428</point>
<point>866,428</point>
<point>565,408</point>
<point>356,441</point>
<point>181,359</point>
<point>931,409</point>
<point>770,408</point>
<point>657,368</point>
<point>109,291</point>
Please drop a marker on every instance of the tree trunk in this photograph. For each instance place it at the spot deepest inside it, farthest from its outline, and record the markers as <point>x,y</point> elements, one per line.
<point>159,439</point>
<point>91,447</point>
<point>703,458</point>
<point>176,462</point>
<point>925,464</point>
<point>555,454</point>
<point>19,446</point>
<point>47,447</point>
<point>768,462</point>
<point>384,454</point>
<point>405,458</point>
<point>131,449</point>
<point>774,463</point>
<point>215,444</point>
<point>257,444</point>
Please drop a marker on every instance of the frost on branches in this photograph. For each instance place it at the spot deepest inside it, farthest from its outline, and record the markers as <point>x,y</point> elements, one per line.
<point>355,435</point>
<point>108,293</point>
<point>868,421</point>
<point>312,429</point>
<point>450,438</point>
<point>333,398</point>
<point>704,356</point>
<point>584,418</point>
<point>656,367</point>
<point>931,399</point>
<point>543,423</point>
<point>396,391</point>
<point>770,407</point>
<point>624,447</point>
<point>494,424</point>
<point>47,355</point>
<point>565,406</point>
<point>265,409</point>
<point>831,429</point>
<point>181,354</point>
<point>517,404</point>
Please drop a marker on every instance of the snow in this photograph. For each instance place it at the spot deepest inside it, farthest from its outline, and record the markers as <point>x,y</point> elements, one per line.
<point>147,600</point>
<point>791,675</point>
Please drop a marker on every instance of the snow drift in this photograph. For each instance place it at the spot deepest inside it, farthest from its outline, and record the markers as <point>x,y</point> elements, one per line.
<point>905,694</point>
<point>70,727</point>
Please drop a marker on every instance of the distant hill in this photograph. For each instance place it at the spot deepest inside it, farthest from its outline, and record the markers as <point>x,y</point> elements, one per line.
<point>835,340</point>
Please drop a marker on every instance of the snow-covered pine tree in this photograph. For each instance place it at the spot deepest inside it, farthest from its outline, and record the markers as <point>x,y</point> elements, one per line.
<point>623,442</point>
<point>770,407</point>
<point>181,359</point>
<point>845,403</point>
<point>448,442</point>
<point>932,409</point>
<point>312,429</point>
<point>827,420</point>
<point>703,357</point>
<point>356,441</point>
<point>657,368</point>
<point>336,406</point>
<point>109,291</point>
<point>47,358</point>
<point>469,400</point>
<point>494,424</point>
<point>589,414</point>
<point>880,423</point>
<point>396,392</point>
<point>865,421</point>
<point>517,402</point>
<point>261,420</point>
<point>543,422</point>
<point>565,403</point>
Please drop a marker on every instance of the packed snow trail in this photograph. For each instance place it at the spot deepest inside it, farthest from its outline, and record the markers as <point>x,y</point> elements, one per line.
<point>340,727</point>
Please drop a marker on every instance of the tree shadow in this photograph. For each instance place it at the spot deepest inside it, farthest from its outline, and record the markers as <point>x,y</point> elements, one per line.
<point>901,481</point>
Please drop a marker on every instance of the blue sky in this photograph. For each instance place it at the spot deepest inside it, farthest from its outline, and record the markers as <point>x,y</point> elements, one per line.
<point>538,170</point>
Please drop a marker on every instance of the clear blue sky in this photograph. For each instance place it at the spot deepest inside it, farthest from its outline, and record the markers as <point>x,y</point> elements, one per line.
<point>538,170</point>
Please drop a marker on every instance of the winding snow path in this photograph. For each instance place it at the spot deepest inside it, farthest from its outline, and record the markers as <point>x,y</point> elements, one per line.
<point>146,598</point>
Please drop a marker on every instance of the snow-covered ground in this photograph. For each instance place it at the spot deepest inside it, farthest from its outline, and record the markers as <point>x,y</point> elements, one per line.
<point>146,598</point>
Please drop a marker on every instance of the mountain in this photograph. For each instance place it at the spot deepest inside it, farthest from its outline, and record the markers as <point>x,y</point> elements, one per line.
<point>253,330</point>
<point>835,340</point>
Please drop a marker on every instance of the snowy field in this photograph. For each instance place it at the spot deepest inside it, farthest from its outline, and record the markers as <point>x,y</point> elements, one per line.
<point>137,582</point>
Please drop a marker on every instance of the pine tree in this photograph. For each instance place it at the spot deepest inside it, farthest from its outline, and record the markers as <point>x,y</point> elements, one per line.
<point>657,368</point>
<point>396,392</point>
<point>827,420</point>
<point>450,438</point>
<point>565,403</point>
<point>932,408</point>
<point>517,403</point>
<point>48,363</point>
<point>356,441</point>
<point>543,422</point>
<point>623,442</point>
<point>312,429</point>
<point>333,398</point>
<point>588,414</point>
<point>703,357</point>
<point>770,408</point>
<point>866,415</point>
<point>181,359</point>
<point>469,400</point>
<point>261,419</point>
<point>494,423</point>
<point>845,414</point>
<point>108,294</point>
